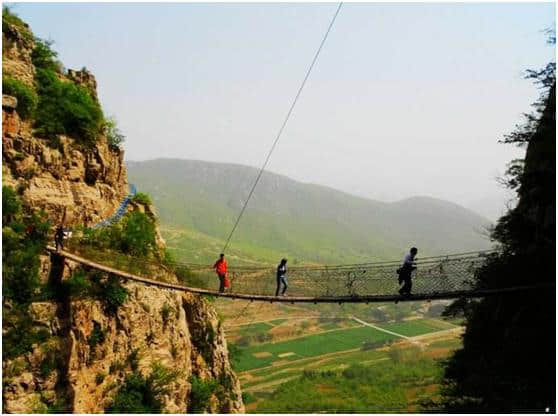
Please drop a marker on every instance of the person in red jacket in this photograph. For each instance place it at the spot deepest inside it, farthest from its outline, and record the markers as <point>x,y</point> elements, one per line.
<point>220,267</point>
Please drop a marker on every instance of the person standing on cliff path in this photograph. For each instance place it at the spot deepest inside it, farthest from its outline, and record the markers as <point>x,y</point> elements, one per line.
<point>59,237</point>
<point>220,267</point>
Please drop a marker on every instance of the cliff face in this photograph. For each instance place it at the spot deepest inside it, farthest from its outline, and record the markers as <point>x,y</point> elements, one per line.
<point>89,352</point>
<point>17,46</point>
<point>77,186</point>
<point>180,331</point>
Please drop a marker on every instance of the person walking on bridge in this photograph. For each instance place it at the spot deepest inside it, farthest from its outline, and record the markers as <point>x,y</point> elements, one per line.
<point>282,277</point>
<point>220,267</point>
<point>406,271</point>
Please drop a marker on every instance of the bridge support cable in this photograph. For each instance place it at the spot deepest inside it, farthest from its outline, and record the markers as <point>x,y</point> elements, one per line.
<point>282,127</point>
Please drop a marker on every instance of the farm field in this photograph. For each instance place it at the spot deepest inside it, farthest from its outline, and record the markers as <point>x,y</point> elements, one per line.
<point>308,346</point>
<point>416,327</point>
<point>274,345</point>
<point>264,391</point>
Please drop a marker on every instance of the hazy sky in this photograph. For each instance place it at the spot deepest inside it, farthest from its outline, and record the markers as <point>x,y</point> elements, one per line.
<point>406,99</point>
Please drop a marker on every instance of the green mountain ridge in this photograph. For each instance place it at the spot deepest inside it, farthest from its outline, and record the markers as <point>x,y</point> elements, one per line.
<point>199,201</point>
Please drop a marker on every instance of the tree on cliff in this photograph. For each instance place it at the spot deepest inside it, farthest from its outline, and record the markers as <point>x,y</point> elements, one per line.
<point>507,362</point>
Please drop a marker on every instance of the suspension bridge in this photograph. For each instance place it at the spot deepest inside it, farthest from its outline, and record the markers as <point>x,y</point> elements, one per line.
<point>442,277</point>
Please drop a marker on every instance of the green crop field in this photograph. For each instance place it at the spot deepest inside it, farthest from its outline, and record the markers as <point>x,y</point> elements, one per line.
<point>318,363</point>
<point>250,329</point>
<point>415,327</point>
<point>310,346</point>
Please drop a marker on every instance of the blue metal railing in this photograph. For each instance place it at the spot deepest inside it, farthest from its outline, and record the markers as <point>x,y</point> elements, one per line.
<point>120,212</point>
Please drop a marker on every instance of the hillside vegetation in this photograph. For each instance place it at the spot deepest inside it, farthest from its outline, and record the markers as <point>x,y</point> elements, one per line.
<point>486,376</point>
<point>198,203</point>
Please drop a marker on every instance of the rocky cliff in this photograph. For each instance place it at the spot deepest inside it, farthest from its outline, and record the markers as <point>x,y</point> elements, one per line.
<point>88,352</point>
<point>77,184</point>
<point>72,372</point>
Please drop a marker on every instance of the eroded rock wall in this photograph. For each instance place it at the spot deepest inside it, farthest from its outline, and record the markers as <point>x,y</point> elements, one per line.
<point>180,331</point>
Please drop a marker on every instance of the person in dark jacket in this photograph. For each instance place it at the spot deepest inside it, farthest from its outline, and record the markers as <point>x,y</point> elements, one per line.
<point>406,271</point>
<point>281,277</point>
<point>59,237</point>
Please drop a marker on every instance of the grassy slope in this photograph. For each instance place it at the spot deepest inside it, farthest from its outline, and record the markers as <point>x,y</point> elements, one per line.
<point>199,201</point>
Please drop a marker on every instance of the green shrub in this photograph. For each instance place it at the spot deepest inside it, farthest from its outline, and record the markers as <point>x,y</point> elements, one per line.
<point>15,368</point>
<point>60,405</point>
<point>166,311</point>
<point>17,341</point>
<point>116,366</point>
<point>115,138</point>
<point>204,337</point>
<point>50,361</point>
<point>244,341</point>
<point>134,234</point>
<point>97,336</point>
<point>141,394</point>
<point>9,18</point>
<point>248,398</point>
<point>133,359</point>
<point>99,378</point>
<point>200,393</point>
<point>138,234</point>
<point>24,238</point>
<point>20,335</point>
<point>44,57</point>
<point>11,206</point>
<point>66,108</point>
<point>113,294</point>
<point>234,351</point>
<point>26,97</point>
<point>370,345</point>
<point>76,286</point>
<point>134,397</point>
<point>142,198</point>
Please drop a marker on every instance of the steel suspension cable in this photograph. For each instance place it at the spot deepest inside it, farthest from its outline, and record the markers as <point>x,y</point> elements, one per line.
<point>282,127</point>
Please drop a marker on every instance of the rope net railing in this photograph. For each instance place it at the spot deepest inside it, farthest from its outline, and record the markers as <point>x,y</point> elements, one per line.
<point>434,276</point>
<point>430,277</point>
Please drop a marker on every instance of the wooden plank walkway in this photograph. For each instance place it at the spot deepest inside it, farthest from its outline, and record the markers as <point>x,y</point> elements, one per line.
<point>297,299</point>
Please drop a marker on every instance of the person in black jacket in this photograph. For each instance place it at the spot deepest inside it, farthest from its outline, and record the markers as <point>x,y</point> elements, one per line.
<point>59,237</point>
<point>281,277</point>
<point>406,271</point>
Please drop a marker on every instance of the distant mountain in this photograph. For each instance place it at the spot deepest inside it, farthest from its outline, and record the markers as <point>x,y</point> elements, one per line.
<point>493,206</point>
<point>198,203</point>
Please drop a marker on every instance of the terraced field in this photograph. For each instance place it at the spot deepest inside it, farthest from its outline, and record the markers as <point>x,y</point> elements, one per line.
<point>308,346</point>
<point>323,338</point>
<point>260,386</point>
<point>275,344</point>
<point>416,327</point>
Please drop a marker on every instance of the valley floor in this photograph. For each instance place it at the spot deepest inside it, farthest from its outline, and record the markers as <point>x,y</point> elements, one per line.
<point>277,347</point>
